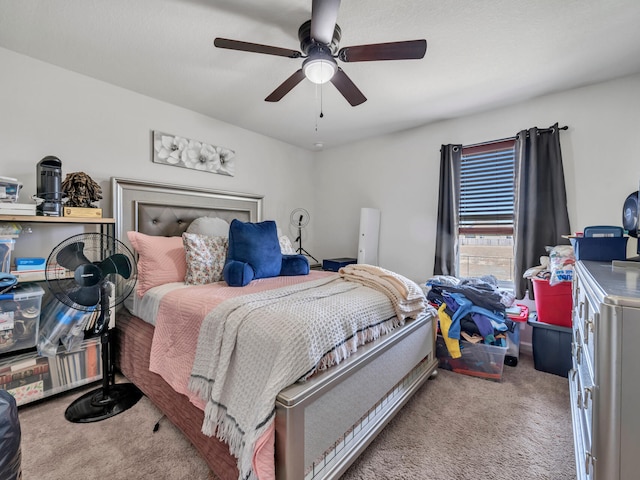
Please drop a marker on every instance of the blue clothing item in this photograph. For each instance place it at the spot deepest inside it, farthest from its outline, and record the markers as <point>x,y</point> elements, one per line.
<point>485,327</point>
<point>465,307</point>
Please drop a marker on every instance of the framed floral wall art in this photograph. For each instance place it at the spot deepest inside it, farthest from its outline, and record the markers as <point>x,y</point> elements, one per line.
<point>182,152</point>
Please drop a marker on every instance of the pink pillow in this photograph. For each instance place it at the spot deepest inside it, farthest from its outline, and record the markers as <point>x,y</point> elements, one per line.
<point>160,260</point>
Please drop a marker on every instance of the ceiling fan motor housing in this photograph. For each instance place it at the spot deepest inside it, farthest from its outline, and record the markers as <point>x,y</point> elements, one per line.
<point>307,43</point>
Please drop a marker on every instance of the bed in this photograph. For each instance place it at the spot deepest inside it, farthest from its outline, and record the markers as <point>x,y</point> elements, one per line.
<point>320,425</point>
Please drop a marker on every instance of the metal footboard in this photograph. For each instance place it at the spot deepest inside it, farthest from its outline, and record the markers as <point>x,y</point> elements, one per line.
<point>324,424</point>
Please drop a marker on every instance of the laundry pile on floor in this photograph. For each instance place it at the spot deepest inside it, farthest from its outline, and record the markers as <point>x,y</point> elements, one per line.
<point>473,309</point>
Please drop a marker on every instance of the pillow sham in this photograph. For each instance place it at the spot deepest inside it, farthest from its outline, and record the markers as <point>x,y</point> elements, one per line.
<point>211,226</point>
<point>205,256</point>
<point>160,260</point>
<point>285,246</point>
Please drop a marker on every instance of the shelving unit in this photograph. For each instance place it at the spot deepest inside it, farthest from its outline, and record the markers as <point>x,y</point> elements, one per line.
<point>25,374</point>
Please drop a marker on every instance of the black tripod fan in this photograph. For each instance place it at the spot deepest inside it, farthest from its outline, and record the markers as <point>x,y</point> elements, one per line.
<point>300,218</point>
<point>93,272</point>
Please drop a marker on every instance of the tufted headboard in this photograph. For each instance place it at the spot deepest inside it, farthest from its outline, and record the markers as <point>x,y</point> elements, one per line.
<point>167,210</point>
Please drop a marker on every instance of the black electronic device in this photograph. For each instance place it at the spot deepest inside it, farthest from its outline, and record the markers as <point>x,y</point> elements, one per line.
<point>630,217</point>
<point>49,186</point>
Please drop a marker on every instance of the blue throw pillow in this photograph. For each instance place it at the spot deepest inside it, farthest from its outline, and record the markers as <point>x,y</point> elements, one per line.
<point>256,244</point>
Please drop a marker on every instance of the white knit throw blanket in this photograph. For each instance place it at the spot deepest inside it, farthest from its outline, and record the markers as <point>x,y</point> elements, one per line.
<point>407,297</point>
<point>253,346</point>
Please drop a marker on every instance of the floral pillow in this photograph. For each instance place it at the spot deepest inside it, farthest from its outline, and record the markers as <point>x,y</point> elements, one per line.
<point>205,256</point>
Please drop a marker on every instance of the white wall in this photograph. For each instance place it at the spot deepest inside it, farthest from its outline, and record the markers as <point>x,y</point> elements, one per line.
<point>398,173</point>
<point>105,131</point>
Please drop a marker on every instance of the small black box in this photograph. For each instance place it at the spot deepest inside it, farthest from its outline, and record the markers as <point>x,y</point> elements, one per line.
<point>551,347</point>
<point>334,264</point>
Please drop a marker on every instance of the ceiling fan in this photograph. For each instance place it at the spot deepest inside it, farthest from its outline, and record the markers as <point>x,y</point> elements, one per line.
<point>319,39</point>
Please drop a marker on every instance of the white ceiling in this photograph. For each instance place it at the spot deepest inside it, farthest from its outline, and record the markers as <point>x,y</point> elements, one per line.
<point>480,54</point>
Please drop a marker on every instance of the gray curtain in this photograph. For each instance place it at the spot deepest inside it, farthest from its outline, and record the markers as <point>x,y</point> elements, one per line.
<point>541,200</point>
<point>448,201</point>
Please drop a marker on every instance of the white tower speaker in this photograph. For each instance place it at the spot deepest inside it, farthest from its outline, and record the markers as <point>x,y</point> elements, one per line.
<point>369,234</point>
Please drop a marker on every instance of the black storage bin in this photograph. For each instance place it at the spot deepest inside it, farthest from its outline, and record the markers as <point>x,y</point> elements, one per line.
<point>551,347</point>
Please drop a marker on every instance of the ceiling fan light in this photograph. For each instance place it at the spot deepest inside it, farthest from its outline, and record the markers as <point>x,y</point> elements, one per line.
<point>319,70</point>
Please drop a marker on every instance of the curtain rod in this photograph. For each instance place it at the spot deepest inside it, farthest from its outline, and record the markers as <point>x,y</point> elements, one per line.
<point>545,130</point>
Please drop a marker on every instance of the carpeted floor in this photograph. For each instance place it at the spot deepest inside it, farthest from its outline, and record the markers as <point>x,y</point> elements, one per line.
<point>455,428</point>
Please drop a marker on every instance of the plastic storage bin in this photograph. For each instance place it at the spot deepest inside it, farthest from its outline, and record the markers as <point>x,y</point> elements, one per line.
<point>553,303</point>
<point>601,249</point>
<point>20,317</point>
<point>551,347</point>
<point>9,189</point>
<point>478,359</point>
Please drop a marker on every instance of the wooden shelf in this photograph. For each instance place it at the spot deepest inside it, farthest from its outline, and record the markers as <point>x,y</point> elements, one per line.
<point>45,219</point>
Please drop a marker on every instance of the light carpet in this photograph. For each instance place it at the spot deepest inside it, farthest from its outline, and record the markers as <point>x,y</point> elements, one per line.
<point>456,427</point>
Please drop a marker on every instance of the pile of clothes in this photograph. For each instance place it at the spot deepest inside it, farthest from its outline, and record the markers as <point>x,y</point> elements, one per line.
<point>473,309</point>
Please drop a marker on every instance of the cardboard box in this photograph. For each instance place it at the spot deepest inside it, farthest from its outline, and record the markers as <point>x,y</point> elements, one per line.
<point>29,263</point>
<point>82,212</point>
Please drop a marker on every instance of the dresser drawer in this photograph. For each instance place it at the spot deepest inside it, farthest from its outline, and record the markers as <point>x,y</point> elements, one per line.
<point>586,317</point>
<point>581,436</point>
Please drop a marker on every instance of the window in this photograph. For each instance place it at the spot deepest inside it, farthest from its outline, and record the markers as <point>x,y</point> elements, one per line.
<point>486,211</point>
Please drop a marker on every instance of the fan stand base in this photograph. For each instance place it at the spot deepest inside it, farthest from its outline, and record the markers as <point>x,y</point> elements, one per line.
<point>96,405</point>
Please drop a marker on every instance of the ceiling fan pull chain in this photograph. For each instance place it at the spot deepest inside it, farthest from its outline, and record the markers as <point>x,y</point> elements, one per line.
<point>317,103</point>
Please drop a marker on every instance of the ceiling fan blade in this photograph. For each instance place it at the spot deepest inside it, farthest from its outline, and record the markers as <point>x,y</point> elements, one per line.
<point>72,256</point>
<point>86,296</point>
<point>324,15</point>
<point>285,87</point>
<point>347,88</point>
<point>408,50</point>
<point>256,48</point>
<point>117,263</point>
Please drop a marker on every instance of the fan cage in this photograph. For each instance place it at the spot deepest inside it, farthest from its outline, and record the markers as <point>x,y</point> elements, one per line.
<point>96,248</point>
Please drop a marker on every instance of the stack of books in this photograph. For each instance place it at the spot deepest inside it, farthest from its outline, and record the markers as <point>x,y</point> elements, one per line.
<point>27,379</point>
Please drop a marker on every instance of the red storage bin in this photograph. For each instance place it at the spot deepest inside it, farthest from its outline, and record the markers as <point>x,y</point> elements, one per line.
<point>553,303</point>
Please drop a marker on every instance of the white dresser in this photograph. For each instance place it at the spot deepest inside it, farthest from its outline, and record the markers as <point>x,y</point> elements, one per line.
<point>605,379</point>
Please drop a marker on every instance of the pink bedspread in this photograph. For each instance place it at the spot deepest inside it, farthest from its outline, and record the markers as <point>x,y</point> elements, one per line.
<point>176,336</point>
